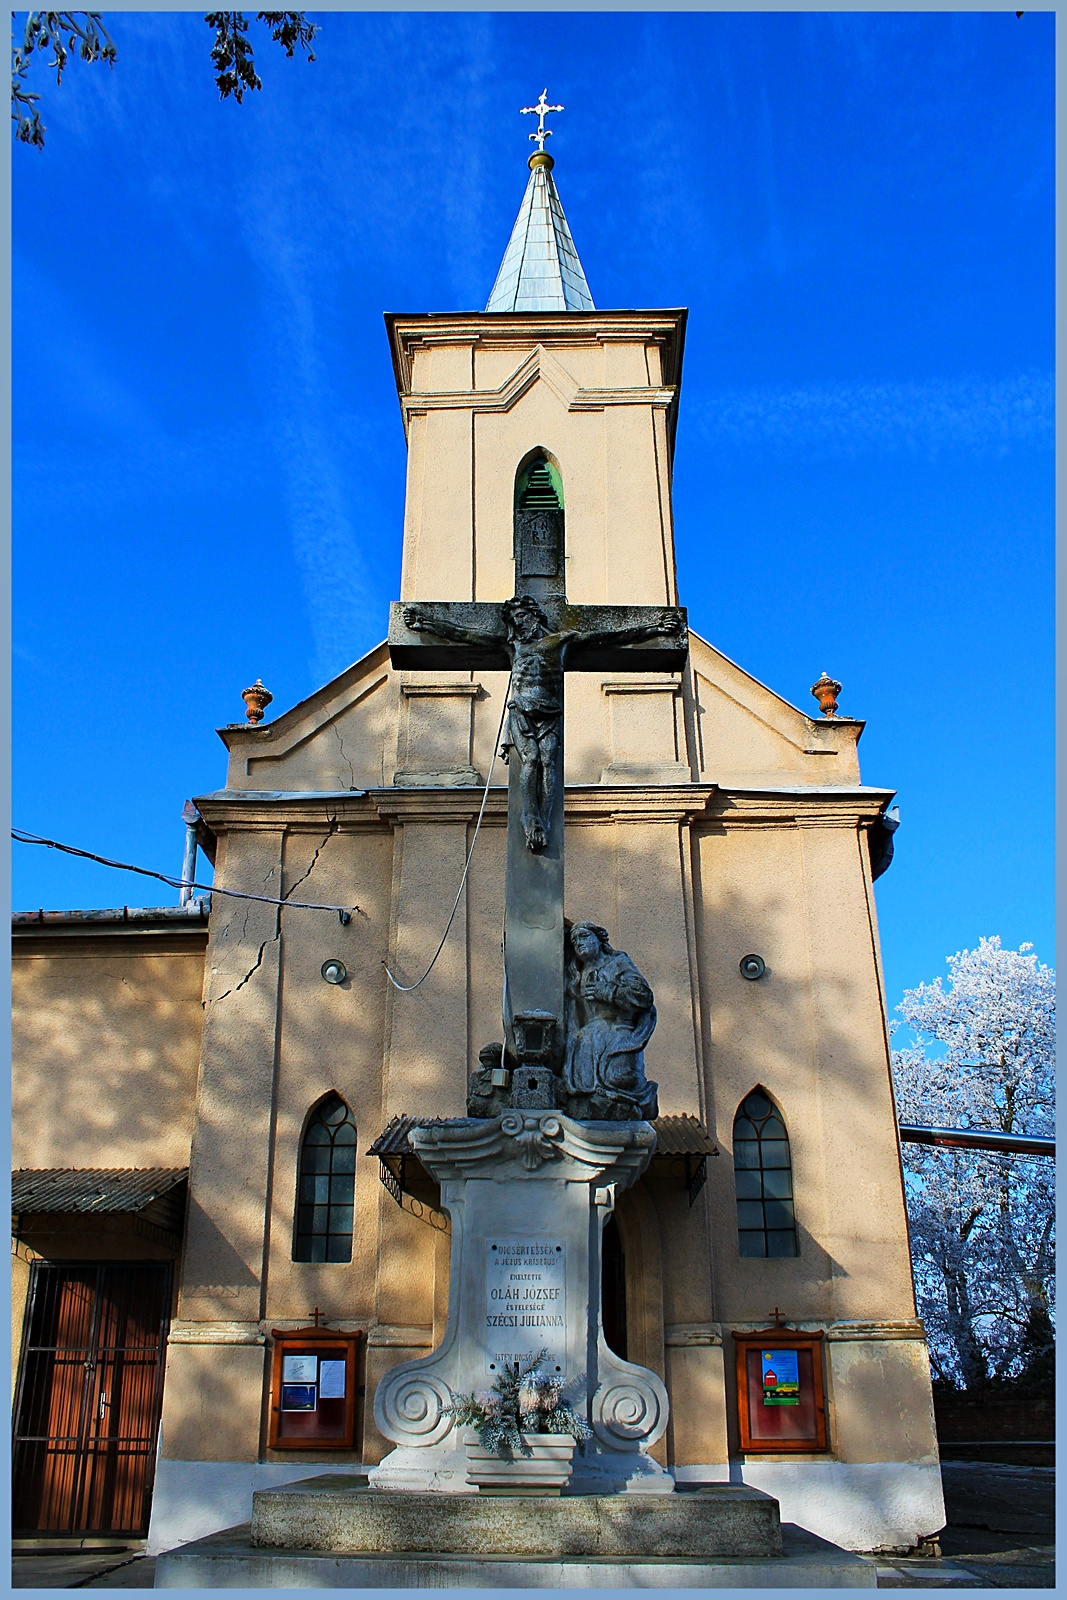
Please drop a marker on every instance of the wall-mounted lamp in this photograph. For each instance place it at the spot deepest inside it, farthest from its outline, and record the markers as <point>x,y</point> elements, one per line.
<point>752,967</point>
<point>334,971</point>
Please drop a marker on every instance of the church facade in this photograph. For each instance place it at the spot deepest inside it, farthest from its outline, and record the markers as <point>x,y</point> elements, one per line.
<point>255,1072</point>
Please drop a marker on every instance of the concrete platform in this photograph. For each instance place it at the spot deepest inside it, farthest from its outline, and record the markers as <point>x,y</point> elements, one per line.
<point>229,1560</point>
<point>339,1515</point>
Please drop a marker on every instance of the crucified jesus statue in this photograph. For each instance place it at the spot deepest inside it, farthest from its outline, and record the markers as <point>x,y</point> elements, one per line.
<point>539,657</point>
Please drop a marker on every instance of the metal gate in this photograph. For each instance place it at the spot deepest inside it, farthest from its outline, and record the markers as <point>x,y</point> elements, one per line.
<point>89,1397</point>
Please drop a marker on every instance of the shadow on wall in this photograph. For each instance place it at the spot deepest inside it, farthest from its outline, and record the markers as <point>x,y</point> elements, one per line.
<point>106,1048</point>
<point>811,1031</point>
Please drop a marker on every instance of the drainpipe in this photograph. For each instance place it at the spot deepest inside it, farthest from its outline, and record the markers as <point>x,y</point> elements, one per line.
<point>190,816</point>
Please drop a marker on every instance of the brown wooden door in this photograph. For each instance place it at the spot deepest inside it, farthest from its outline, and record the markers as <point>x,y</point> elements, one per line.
<point>89,1398</point>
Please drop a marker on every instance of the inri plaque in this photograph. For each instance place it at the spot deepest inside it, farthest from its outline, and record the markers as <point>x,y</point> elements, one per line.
<point>525,1302</point>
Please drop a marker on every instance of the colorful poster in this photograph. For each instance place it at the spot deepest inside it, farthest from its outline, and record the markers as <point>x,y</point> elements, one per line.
<point>298,1397</point>
<point>781,1378</point>
<point>331,1380</point>
<point>299,1369</point>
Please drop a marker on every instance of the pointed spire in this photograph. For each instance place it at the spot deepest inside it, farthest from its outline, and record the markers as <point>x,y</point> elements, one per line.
<point>540,270</point>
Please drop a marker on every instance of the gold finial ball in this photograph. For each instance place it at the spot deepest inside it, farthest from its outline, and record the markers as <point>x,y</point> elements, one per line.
<point>826,691</point>
<point>256,700</point>
<point>541,158</point>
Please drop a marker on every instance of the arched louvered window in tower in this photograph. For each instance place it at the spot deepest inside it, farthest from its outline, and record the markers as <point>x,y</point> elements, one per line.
<point>539,528</point>
<point>539,487</point>
<point>326,1184</point>
<point>763,1175</point>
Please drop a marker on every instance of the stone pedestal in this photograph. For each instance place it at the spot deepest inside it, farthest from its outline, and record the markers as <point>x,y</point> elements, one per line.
<point>327,1513</point>
<point>528,1194</point>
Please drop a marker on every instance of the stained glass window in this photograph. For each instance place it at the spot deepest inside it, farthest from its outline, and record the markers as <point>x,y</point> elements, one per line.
<point>763,1176</point>
<point>326,1185</point>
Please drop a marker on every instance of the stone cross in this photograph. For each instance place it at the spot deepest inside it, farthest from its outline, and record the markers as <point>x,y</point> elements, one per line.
<point>539,636</point>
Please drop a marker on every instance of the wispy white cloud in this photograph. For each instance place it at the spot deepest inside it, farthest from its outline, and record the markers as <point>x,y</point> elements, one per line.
<point>971,415</point>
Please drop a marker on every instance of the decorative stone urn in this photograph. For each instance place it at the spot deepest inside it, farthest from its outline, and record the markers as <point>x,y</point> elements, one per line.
<point>544,1471</point>
<point>826,691</point>
<point>256,700</point>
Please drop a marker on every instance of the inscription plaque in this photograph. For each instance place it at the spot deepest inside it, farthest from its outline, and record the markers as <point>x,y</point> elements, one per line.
<point>525,1302</point>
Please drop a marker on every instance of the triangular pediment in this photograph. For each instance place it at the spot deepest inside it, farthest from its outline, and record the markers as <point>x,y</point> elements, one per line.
<point>746,735</point>
<point>372,726</point>
<point>334,740</point>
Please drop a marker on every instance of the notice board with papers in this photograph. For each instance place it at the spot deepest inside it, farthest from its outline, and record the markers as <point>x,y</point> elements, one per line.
<point>313,1389</point>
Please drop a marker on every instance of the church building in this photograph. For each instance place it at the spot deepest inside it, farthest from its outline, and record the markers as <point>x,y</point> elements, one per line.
<point>223,1237</point>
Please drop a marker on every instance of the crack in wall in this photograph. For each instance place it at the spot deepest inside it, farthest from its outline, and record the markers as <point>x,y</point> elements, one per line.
<point>327,836</point>
<point>256,966</point>
<point>346,759</point>
<point>225,931</point>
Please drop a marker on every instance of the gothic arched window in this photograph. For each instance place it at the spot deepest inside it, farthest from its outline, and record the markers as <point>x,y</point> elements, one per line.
<point>326,1184</point>
<point>763,1175</point>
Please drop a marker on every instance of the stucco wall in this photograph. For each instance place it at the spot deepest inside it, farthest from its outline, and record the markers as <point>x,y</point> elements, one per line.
<point>105,1046</point>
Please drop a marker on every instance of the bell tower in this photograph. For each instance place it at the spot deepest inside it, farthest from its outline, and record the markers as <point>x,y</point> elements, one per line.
<point>540,438</point>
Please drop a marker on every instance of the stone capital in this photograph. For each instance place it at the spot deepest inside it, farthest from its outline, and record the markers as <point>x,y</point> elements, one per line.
<point>519,1144</point>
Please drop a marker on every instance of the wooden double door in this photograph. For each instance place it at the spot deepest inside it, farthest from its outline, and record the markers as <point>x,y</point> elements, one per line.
<point>89,1397</point>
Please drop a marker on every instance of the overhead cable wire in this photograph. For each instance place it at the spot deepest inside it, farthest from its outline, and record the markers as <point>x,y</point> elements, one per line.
<point>22,837</point>
<point>406,988</point>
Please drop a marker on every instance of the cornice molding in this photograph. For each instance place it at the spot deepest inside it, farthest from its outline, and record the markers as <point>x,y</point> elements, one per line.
<point>844,1331</point>
<point>413,691</point>
<point>182,1332</point>
<point>847,807</point>
<point>408,331</point>
<point>539,364</point>
<point>701,804</point>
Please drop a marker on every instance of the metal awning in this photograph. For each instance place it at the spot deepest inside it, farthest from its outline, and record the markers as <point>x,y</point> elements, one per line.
<point>155,1195</point>
<point>85,1189</point>
<point>399,1168</point>
<point>683,1146</point>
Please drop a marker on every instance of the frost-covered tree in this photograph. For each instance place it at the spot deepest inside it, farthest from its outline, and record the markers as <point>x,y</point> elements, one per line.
<point>982,1225</point>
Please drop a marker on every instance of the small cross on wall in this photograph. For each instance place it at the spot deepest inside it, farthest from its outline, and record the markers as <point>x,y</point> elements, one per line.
<point>317,1314</point>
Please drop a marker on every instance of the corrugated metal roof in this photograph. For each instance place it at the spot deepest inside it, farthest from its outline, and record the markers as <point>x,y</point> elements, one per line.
<point>393,1140</point>
<point>91,1189</point>
<point>683,1136</point>
<point>540,270</point>
<point>196,911</point>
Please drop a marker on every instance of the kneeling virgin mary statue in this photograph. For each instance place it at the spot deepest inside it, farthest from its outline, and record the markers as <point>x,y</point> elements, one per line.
<point>610,1018</point>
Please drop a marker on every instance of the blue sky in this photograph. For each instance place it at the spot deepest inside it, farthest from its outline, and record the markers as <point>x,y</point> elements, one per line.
<point>209,461</point>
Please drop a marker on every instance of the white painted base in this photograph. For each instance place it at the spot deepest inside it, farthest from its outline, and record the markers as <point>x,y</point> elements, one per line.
<point>882,1505</point>
<point>192,1499</point>
<point>601,1471</point>
<point>441,1468</point>
<point>869,1506</point>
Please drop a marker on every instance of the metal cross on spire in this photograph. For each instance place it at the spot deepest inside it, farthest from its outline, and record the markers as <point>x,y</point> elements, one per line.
<point>540,111</point>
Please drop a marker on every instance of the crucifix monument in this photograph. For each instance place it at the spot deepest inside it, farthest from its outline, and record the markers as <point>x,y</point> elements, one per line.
<point>552,993</point>
<point>529,1189</point>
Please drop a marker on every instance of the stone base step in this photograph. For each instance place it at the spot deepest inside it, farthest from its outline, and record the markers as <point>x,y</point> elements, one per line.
<point>229,1560</point>
<point>331,1514</point>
